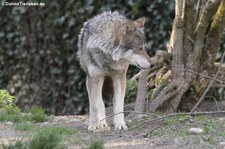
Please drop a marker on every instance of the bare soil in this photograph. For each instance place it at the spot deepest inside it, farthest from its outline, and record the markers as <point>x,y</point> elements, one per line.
<point>144,132</point>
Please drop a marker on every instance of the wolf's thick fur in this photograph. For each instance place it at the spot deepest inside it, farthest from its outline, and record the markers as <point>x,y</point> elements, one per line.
<point>107,44</point>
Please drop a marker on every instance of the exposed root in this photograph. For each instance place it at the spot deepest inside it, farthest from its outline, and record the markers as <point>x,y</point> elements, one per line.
<point>171,95</point>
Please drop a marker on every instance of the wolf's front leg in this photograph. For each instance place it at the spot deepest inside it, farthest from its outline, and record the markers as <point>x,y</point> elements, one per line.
<point>97,120</point>
<point>119,81</point>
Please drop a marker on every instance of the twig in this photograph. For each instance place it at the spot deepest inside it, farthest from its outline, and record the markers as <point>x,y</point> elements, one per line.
<point>218,108</point>
<point>136,76</point>
<point>204,76</point>
<point>192,41</point>
<point>209,86</point>
<point>154,129</point>
<point>127,111</point>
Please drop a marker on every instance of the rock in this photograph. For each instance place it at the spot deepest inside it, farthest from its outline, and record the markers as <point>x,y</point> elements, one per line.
<point>8,123</point>
<point>195,131</point>
<point>176,141</point>
<point>222,143</point>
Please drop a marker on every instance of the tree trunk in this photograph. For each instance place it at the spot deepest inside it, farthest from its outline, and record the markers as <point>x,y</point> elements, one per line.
<point>142,87</point>
<point>195,39</point>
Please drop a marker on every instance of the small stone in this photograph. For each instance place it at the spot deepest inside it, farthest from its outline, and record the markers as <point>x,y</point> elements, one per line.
<point>8,123</point>
<point>176,141</point>
<point>221,119</point>
<point>195,131</point>
<point>222,143</point>
<point>145,135</point>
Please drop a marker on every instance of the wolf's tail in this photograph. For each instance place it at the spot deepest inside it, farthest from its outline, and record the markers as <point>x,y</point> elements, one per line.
<point>108,89</point>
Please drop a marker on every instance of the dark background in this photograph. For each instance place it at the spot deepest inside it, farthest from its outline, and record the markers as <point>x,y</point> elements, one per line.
<point>38,62</point>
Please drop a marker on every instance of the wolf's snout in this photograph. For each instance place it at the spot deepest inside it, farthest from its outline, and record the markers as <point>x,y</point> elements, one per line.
<point>145,64</point>
<point>148,66</point>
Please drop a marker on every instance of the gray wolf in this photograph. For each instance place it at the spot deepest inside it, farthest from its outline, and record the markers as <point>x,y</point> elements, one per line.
<point>107,44</point>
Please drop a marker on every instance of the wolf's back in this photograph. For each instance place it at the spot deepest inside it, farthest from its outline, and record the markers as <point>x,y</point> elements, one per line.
<point>99,29</point>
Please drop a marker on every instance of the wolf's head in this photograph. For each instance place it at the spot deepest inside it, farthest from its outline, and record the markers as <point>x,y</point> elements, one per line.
<point>130,44</point>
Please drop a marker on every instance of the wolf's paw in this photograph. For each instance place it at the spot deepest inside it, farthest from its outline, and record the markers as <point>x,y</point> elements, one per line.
<point>120,126</point>
<point>98,127</point>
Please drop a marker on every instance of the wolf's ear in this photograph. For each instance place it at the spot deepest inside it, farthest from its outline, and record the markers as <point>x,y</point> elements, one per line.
<point>128,27</point>
<point>140,23</point>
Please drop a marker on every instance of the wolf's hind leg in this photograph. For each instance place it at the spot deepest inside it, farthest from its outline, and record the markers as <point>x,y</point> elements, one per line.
<point>97,120</point>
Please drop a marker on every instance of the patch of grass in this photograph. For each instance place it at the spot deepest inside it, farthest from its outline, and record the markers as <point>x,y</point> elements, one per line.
<point>12,117</point>
<point>222,134</point>
<point>202,118</point>
<point>45,138</point>
<point>157,113</point>
<point>135,122</point>
<point>211,140</point>
<point>170,121</point>
<point>10,112</point>
<point>196,139</point>
<point>26,126</point>
<point>35,114</point>
<point>18,145</point>
<point>183,118</point>
<point>38,114</point>
<point>208,128</point>
<point>64,130</point>
<point>183,132</point>
<point>175,119</point>
<point>51,137</point>
<point>158,132</point>
<point>96,144</point>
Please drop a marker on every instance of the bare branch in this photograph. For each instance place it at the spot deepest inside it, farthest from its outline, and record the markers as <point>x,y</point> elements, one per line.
<point>209,86</point>
<point>204,76</point>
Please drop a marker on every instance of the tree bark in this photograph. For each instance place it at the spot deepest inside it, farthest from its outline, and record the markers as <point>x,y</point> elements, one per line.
<point>141,96</point>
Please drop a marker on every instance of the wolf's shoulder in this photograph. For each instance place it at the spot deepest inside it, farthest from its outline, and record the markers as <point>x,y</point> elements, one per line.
<point>108,17</point>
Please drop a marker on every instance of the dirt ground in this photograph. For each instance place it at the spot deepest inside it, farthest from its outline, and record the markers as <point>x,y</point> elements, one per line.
<point>148,131</point>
